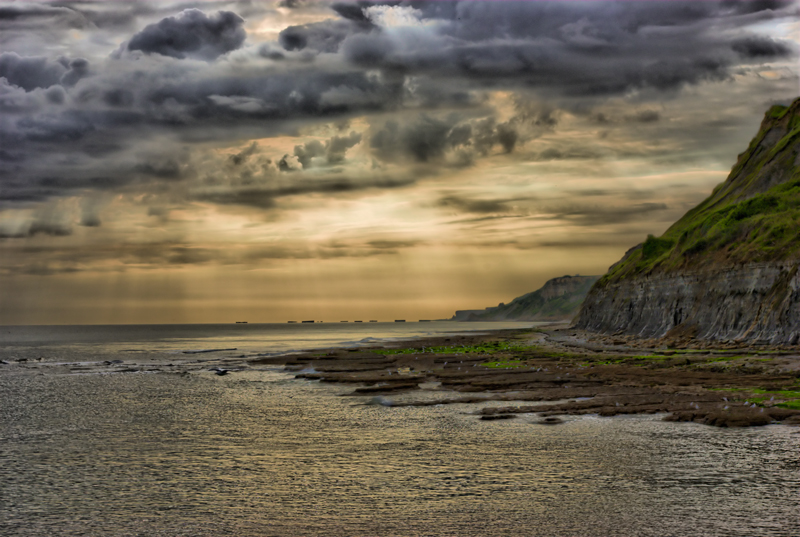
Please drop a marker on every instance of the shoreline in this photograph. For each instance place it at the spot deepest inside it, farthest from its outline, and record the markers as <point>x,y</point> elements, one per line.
<point>551,370</point>
<point>726,385</point>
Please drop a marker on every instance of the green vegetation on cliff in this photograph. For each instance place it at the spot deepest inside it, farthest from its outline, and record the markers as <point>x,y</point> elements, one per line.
<point>752,217</point>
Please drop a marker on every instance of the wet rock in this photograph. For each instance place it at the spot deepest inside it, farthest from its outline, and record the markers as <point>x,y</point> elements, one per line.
<point>744,417</point>
<point>383,389</point>
<point>550,420</point>
<point>792,420</point>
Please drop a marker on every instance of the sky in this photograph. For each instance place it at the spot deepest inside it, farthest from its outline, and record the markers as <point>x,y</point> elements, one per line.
<point>200,162</point>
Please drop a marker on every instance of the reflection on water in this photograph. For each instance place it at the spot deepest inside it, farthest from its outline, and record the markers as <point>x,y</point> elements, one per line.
<point>259,453</point>
<point>74,342</point>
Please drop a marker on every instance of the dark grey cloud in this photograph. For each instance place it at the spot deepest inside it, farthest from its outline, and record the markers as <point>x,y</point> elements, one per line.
<point>264,196</point>
<point>50,220</point>
<point>559,45</point>
<point>38,227</point>
<point>271,53</point>
<point>90,219</point>
<point>478,206</point>
<point>761,47</point>
<point>430,138</point>
<point>374,50</point>
<point>424,140</point>
<point>645,116</point>
<point>327,153</point>
<point>754,6</point>
<point>567,152</point>
<point>31,72</point>
<point>77,69</point>
<point>56,94</point>
<point>28,15</point>
<point>330,250</point>
<point>167,167</point>
<point>222,99</point>
<point>337,146</point>
<point>237,159</point>
<point>192,34</point>
<point>76,258</point>
<point>388,244</point>
<point>324,36</point>
<point>306,152</point>
<point>69,125</point>
<point>594,215</point>
<point>354,11</point>
<point>114,114</point>
<point>118,97</point>
<point>507,137</point>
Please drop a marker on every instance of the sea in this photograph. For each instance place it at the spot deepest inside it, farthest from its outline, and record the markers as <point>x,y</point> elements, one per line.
<point>127,431</point>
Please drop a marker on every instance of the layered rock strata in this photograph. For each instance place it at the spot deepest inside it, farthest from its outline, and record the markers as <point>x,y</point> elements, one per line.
<point>758,303</point>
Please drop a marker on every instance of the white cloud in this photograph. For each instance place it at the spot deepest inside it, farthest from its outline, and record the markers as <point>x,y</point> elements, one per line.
<point>396,16</point>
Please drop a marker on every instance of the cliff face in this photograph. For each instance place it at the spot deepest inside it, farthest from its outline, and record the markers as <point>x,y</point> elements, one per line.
<point>757,303</point>
<point>559,299</point>
<point>727,270</point>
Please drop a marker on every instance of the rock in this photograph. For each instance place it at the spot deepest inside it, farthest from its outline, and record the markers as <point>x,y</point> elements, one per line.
<point>491,417</point>
<point>792,420</point>
<point>708,304</point>
<point>738,417</point>
<point>550,420</point>
<point>383,389</point>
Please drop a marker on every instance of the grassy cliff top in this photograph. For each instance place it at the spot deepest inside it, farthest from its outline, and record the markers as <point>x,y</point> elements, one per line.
<point>754,216</point>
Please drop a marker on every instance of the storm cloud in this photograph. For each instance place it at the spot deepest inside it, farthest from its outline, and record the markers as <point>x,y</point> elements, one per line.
<point>192,34</point>
<point>409,61</point>
<point>34,72</point>
<point>143,135</point>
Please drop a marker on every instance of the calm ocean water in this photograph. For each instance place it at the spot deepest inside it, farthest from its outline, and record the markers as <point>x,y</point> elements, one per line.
<point>90,449</point>
<point>90,340</point>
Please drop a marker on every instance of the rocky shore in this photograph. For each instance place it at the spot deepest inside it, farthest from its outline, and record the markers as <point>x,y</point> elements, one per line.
<point>563,371</point>
<point>550,372</point>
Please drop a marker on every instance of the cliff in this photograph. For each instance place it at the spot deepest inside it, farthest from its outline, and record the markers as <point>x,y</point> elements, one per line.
<point>727,270</point>
<point>557,300</point>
